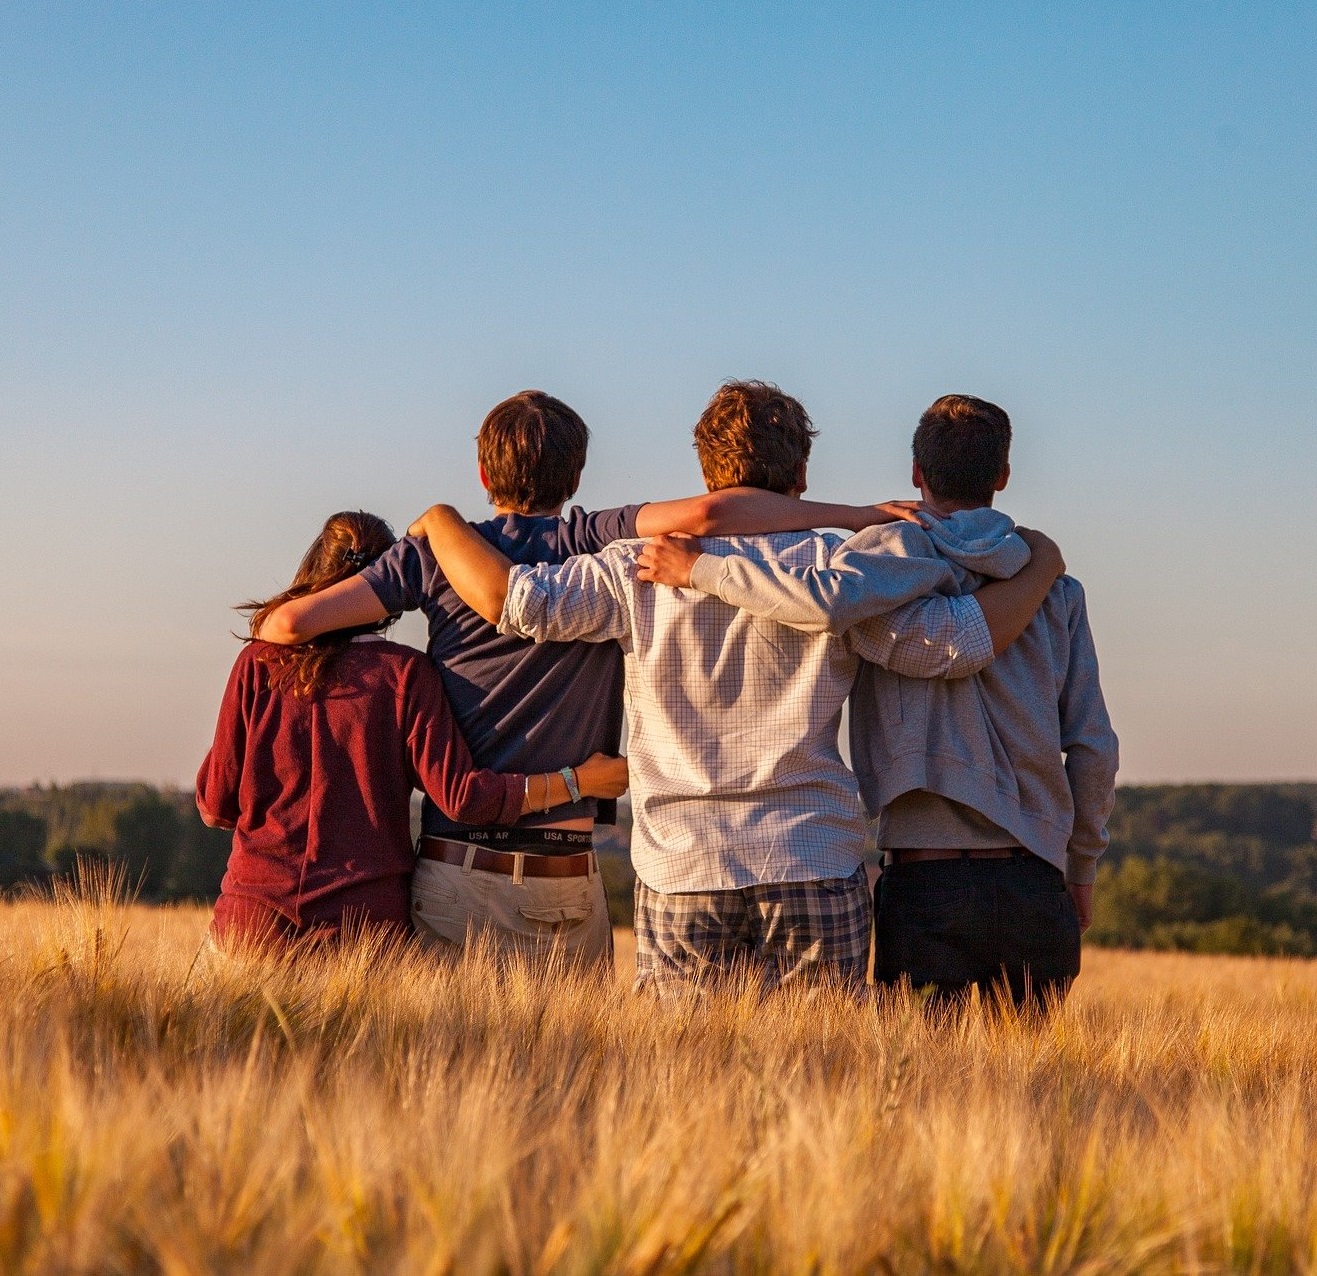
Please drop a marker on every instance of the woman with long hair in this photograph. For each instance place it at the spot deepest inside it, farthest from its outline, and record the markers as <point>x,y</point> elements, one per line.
<point>316,753</point>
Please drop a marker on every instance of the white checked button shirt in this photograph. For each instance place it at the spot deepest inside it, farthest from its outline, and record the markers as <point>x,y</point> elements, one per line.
<point>736,777</point>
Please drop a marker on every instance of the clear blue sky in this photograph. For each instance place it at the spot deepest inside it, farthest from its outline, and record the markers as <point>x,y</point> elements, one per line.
<point>262,262</point>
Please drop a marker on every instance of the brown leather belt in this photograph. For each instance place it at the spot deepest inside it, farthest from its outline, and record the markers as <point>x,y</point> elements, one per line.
<point>437,848</point>
<point>919,855</point>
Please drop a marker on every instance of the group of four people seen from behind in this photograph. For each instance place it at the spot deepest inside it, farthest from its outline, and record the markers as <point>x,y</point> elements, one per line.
<point>978,735</point>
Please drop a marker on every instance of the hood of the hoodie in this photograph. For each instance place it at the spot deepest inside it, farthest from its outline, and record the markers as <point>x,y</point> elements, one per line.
<point>983,541</point>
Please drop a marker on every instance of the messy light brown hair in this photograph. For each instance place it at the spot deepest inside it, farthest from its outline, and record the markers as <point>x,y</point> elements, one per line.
<point>532,449</point>
<point>753,435</point>
<point>348,542</point>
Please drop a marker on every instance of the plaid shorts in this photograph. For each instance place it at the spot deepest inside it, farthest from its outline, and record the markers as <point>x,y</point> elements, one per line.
<point>784,931</point>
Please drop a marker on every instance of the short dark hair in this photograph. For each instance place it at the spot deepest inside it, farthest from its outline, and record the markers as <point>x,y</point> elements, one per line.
<point>962,446</point>
<point>753,435</point>
<point>532,449</point>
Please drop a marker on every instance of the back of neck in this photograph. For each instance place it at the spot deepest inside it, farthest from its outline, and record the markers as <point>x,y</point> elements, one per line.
<point>503,510</point>
<point>944,507</point>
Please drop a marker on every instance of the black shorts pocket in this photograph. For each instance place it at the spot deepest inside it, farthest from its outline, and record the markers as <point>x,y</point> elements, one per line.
<point>914,891</point>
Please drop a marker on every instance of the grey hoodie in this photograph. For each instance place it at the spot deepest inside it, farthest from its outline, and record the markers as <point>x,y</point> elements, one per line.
<point>1026,742</point>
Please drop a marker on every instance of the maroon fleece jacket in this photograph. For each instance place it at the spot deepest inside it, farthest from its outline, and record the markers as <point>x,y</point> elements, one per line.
<point>318,789</point>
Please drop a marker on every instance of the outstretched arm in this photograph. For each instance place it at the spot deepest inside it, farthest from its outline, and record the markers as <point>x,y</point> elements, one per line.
<point>745,510</point>
<point>585,599</point>
<point>346,605</point>
<point>863,578</point>
<point>862,583</point>
<point>933,637</point>
<point>473,567</point>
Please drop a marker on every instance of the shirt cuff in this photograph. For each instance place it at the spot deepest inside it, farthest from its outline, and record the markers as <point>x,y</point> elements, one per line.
<point>1080,870</point>
<point>513,799</point>
<point>977,651</point>
<point>707,574</point>
<point>512,620</point>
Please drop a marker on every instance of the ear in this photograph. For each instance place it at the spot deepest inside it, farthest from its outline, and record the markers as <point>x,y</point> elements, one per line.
<point>1003,478</point>
<point>484,478</point>
<point>801,477</point>
<point>916,476</point>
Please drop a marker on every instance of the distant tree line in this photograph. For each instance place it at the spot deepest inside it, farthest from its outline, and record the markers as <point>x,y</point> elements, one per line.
<point>1213,868</point>
<point>156,834</point>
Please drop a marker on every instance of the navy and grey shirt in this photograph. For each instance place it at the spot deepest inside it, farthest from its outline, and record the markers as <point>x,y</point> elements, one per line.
<point>522,706</point>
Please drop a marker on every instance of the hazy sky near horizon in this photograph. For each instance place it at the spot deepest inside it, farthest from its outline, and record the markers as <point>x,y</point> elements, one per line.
<point>262,262</point>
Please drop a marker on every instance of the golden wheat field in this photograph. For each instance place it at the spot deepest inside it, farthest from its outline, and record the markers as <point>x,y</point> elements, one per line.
<point>374,1111</point>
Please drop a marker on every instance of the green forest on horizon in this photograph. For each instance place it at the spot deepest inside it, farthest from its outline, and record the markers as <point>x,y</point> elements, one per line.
<point>1211,868</point>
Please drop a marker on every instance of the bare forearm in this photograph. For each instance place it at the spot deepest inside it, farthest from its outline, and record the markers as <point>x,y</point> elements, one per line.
<point>543,791</point>
<point>472,566</point>
<point>742,511</point>
<point>598,776</point>
<point>1009,605</point>
<point>479,574</point>
<point>346,605</point>
<point>745,510</point>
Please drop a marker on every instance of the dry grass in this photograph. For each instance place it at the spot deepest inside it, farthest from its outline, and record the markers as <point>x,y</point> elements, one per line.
<point>373,1111</point>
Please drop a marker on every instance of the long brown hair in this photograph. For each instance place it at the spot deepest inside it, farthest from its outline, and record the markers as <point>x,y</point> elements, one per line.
<point>347,543</point>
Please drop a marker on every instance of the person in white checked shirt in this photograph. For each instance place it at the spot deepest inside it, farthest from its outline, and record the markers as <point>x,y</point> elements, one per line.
<point>748,832</point>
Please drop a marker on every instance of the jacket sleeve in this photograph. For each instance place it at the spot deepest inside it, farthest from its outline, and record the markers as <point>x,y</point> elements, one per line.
<point>932,637</point>
<point>441,761</point>
<point>220,778</point>
<point>585,599</point>
<point>1091,749</point>
<point>869,575</point>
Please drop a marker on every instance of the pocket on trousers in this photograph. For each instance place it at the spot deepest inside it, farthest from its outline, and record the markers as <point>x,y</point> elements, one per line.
<point>1045,931</point>
<point>426,893</point>
<point>562,905</point>
<point>835,887</point>
<point>438,906</point>
<point>925,895</point>
<point>561,915</point>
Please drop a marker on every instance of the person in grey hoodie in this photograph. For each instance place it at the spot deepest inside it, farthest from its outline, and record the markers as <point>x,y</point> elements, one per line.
<point>991,792</point>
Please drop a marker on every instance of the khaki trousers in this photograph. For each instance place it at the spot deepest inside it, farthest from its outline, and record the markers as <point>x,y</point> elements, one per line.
<point>531,918</point>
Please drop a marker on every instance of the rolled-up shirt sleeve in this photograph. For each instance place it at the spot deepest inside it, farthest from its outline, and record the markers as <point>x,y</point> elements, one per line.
<point>584,599</point>
<point>933,637</point>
